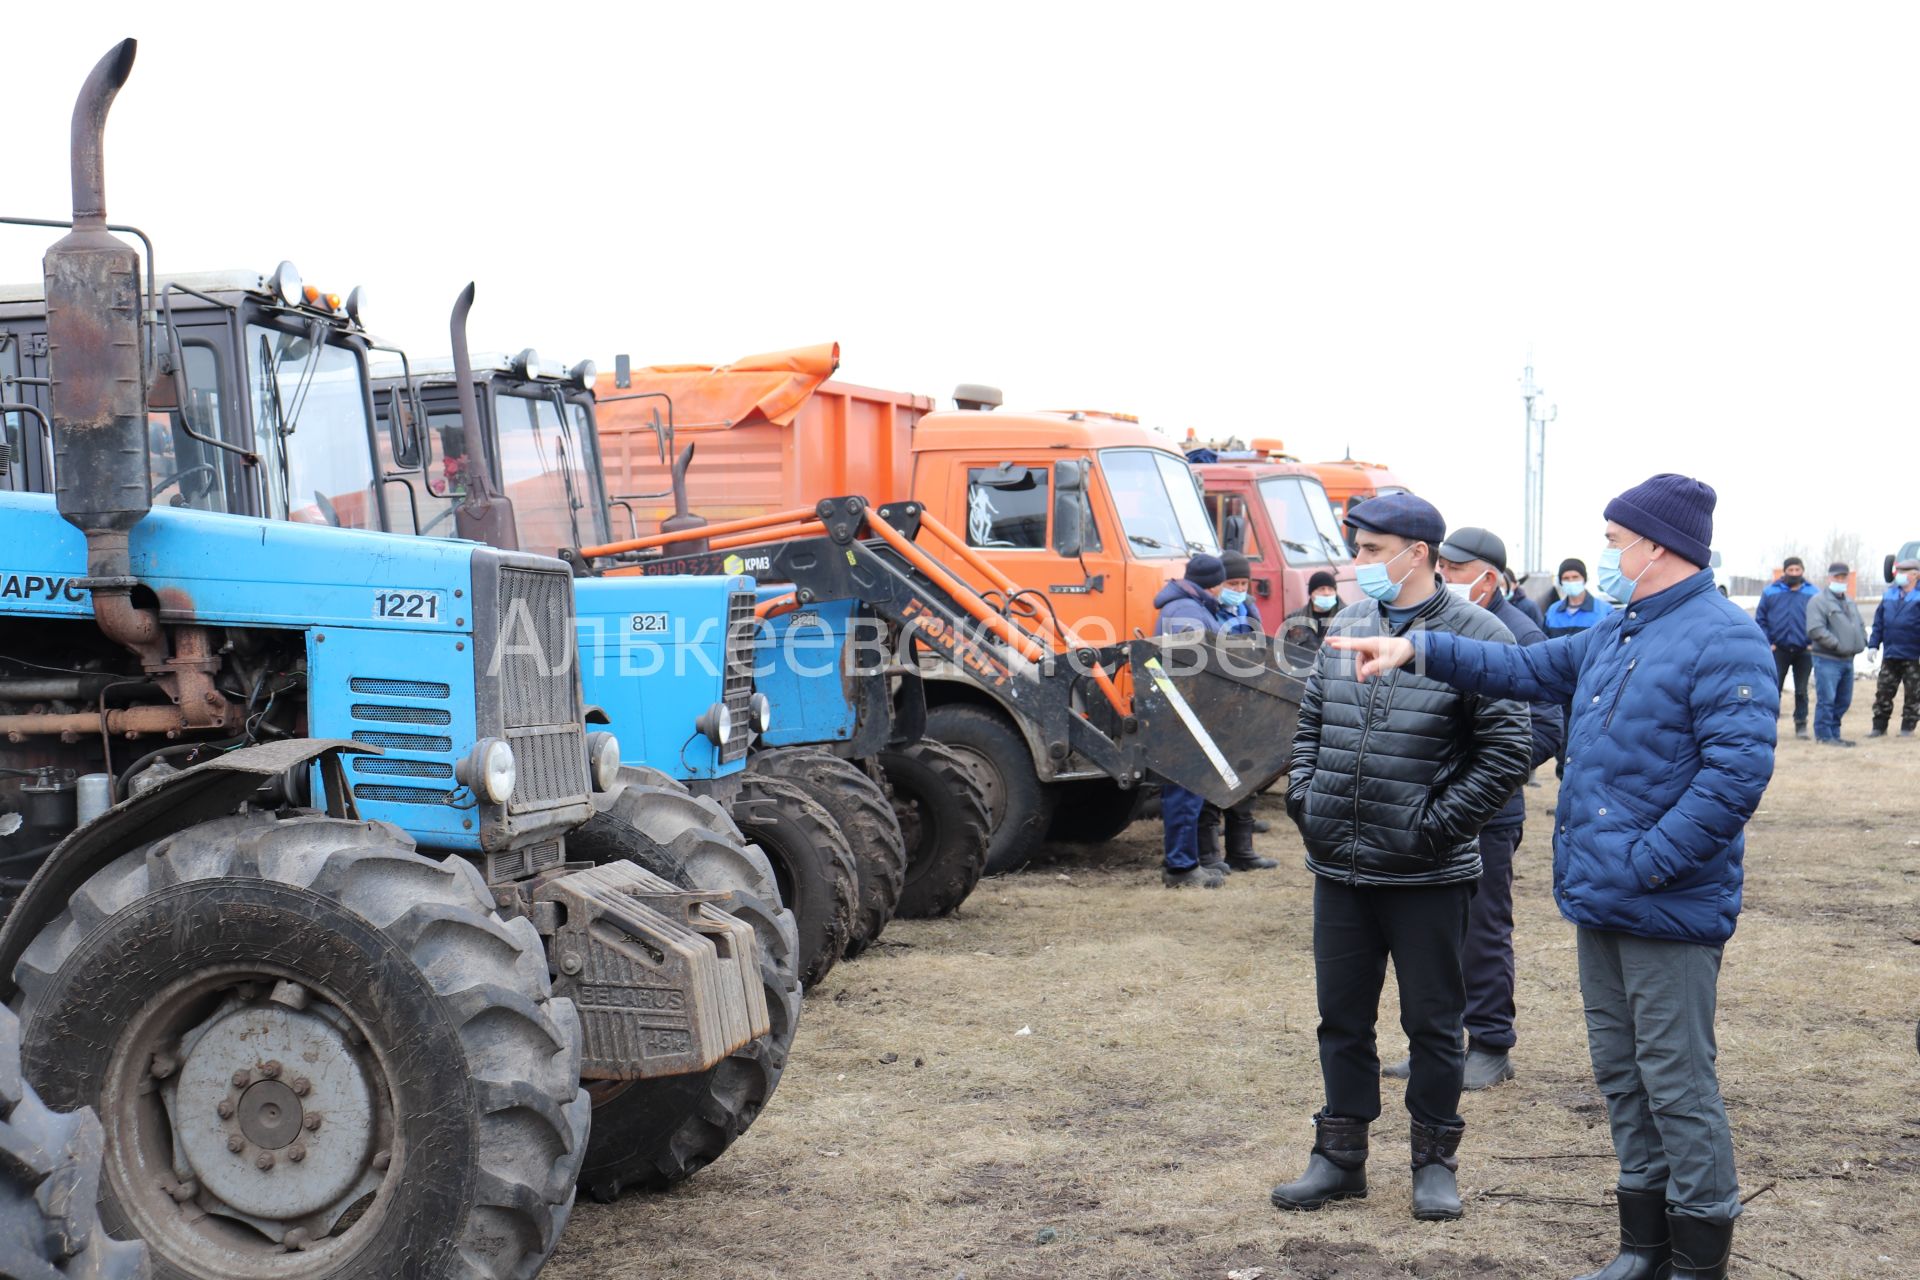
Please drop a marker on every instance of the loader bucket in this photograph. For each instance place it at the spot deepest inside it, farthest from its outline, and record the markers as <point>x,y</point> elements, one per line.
<point>1217,714</point>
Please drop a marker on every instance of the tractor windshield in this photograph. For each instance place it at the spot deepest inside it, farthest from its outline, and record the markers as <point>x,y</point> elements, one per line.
<point>1159,504</point>
<point>309,404</point>
<point>1303,519</point>
<point>541,469</point>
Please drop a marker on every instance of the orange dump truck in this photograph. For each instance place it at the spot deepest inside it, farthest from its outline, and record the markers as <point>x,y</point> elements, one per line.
<point>1089,513</point>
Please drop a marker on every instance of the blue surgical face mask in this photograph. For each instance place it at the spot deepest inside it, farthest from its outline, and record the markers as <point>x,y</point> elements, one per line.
<point>1377,582</point>
<point>1229,596</point>
<point>1326,601</point>
<point>1838,588</point>
<point>1571,588</point>
<point>1611,580</point>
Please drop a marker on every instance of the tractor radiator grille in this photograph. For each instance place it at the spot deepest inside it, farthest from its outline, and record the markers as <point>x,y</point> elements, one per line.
<point>737,692</point>
<point>550,766</point>
<point>518,864</point>
<point>535,648</point>
<point>418,767</point>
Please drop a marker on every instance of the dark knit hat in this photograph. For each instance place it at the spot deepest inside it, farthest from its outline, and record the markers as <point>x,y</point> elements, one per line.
<point>1322,578</point>
<point>1573,563</point>
<point>1401,515</point>
<point>1793,562</point>
<point>1206,571</point>
<point>1672,510</point>
<point>1235,565</point>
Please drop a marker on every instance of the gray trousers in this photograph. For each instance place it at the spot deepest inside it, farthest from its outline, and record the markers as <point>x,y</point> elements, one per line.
<point>1650,1008</point>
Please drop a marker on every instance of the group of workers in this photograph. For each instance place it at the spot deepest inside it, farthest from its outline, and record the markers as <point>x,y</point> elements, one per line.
<point>1817,632</point>
<point>1427,708</point>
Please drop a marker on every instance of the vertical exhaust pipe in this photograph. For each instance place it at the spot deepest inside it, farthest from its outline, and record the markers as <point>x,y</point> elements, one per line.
<point>99,398</point>
<point>480,517</point>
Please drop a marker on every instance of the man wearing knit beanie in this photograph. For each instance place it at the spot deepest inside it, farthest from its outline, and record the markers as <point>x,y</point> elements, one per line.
<point>1669,749</point>
<point>1577,607</point>
<point>1189,603</point>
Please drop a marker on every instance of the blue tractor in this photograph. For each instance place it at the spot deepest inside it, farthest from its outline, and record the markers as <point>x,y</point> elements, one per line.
<point>737,722</point>
<point>316,885</point>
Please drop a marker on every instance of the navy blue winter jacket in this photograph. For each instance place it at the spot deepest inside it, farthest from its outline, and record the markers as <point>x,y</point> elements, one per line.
<point>1185,607</point>
<point>1548,719</point>
<point>1896,624</point>
<point>1669,750</point>
<point>1783,613</point>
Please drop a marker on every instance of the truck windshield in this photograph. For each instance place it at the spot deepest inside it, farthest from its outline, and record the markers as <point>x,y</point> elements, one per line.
<point>1159,503</point>
<point>540,470</point>
<point>309,405</point>
<point>1303,519</point>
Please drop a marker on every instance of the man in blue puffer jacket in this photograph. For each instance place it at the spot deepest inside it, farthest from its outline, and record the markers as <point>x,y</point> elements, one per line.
<point>1782,615</point>
<point>1669,749</point>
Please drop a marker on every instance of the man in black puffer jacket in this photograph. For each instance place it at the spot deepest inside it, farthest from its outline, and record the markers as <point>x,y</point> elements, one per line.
<point>1390,782</point>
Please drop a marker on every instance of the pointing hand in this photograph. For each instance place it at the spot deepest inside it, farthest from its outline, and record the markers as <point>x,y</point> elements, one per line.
<point>1377,654</point>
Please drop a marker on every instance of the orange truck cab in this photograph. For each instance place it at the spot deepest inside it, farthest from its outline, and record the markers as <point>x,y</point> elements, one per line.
<point>1089,513</point>
<point>1277,514</point>
<point>1349,479</point>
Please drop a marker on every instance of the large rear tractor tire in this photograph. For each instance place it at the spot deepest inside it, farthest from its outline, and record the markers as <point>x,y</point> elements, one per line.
<point>1019,804</point>
<point>943,816</point>
<point>316,1054</point>
<point>650,1134</point>
<point>860,808</point>
<point>50,1186</point>
<point>818,878</point>
<point>1092,810</point>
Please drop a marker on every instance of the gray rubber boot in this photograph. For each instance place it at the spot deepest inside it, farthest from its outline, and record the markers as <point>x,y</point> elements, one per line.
<point>1485,1069</point>
<point>1436,1195</point>
<point>1645,1252</point>
<point>1336,1170</point>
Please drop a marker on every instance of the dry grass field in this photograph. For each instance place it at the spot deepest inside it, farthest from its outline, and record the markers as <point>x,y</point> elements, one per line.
<point>1083,1075</point>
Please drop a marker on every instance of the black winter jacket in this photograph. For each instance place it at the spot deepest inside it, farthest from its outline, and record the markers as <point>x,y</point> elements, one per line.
<point>1390,781</point>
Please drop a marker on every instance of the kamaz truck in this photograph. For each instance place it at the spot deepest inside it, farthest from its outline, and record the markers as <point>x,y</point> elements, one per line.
<point>317,887</point>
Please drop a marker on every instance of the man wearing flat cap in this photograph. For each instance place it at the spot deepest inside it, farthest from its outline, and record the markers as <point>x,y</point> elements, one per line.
<point>1390,783</point>
<point>1669,750</point>
<point>1473,562</point>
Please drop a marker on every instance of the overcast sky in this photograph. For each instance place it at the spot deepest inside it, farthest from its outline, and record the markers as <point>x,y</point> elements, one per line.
<point>1346,226</point>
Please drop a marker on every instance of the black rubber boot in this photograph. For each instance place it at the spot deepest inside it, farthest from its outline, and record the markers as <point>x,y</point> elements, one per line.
<point>1644,1250</point>
<point>1337,1169</point>
<point>1701,1249</point>
<point>1436,1195</point>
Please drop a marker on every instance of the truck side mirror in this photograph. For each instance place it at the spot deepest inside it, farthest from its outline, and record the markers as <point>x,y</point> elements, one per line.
<point>622,371</point>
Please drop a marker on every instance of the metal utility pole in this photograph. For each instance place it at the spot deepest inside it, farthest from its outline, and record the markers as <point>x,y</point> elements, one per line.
<point>1539,414</point>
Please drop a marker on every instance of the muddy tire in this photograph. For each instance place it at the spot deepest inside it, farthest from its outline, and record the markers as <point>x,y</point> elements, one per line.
<point>1019,804</point>
<point>50,1186</point>
<point>1092,811</point>
<point>336,1035</point>
<point>650,1134</point>
<point>818,879</point>
<point>860,809</point>
<point>943,816</point>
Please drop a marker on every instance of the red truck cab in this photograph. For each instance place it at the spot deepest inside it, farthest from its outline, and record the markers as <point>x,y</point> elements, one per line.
<point>1277,514</point>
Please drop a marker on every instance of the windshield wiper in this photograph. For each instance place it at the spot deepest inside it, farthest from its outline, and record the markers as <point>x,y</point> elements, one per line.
<point>1143,540</point>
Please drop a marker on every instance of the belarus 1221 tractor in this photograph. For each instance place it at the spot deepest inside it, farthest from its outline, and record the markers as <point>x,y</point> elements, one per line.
<point>307,889</point>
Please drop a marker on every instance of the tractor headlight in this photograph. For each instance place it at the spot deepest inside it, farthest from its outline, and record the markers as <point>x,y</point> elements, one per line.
<point>583,374</point>
<point>603,760</point>
<point>762,707</point>
<point>527,364</point>
<point>489,770</point>
<point>286,286</point>
<point>717,724</point>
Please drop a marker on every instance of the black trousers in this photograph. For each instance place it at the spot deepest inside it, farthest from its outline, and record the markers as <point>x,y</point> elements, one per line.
<point>1800,662</point>
<point>1487,957</point>
<point>1239,824</point>
<point>1355,932</point>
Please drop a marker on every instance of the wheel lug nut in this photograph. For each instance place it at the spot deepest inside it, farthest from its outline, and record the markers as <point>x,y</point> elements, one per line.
<point>302,1086</point>
<point>298,1238</point>
<point>263,1161</point>
<point>241,1079</point>
<point>381,1159</point>
<point>296,1153</point>
<point>271,1070</point>
<point>184,1191</point>
<point>313,1121</point>
<point>163,1066</point>
<point>225,1108</point>
<point>236,1143</point>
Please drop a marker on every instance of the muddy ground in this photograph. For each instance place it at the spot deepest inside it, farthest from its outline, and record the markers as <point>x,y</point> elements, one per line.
<point>1084,1075</point>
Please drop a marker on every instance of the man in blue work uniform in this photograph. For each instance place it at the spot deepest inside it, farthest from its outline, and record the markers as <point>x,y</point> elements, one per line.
<point>1577,608</point>
<point>1783,616</point>
<point>1896,635</point>
<point>1189,603</point>
<point>1668,753</point>
<point>1473,561</point>
<point>1239,615</point>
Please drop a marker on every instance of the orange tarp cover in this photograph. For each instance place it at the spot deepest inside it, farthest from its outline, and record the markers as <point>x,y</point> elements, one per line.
<point>763,388</point>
